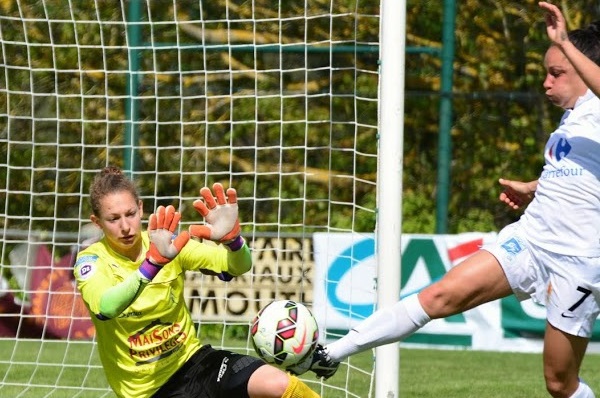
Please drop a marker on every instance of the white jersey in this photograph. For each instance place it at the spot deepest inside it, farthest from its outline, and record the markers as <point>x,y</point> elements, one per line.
<point>564,216</point>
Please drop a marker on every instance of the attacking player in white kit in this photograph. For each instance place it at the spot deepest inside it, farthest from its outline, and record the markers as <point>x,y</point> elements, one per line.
<point>552,254</point>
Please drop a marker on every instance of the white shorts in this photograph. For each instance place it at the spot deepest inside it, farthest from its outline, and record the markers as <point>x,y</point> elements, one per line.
<point>569,287</point>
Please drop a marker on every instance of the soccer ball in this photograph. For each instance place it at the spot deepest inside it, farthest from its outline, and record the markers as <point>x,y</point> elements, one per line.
<point>284,333</point>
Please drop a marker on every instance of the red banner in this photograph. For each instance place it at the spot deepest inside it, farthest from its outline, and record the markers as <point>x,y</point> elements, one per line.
<point>56,309</point>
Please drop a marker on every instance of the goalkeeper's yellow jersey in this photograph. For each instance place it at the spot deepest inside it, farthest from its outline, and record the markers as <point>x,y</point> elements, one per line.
<point>149,341</point>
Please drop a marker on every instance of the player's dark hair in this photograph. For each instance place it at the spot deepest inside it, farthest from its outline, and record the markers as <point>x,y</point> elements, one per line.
<point>587,40</point>
<point>110,180</point>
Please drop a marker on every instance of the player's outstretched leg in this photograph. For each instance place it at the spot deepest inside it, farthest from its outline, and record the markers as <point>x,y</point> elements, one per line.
<point>319,362</point>
<point>384,326</point>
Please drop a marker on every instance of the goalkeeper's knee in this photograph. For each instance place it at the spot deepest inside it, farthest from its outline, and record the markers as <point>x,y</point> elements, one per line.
<point>297,389</point>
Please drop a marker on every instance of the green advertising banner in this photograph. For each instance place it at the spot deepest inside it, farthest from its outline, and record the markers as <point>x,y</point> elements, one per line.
<point>345,283</point>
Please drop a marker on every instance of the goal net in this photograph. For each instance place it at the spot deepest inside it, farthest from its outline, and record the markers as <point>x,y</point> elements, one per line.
<point>277,99</point>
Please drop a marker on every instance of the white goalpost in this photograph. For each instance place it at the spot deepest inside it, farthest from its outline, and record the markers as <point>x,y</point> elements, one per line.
<point>293,104</point>
<point>389,221</point>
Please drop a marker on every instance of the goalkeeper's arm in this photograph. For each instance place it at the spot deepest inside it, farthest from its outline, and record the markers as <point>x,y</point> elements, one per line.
<point>240,260</point>
<point>163,249</point>
<point>214,260</point>
<point>114,301</point>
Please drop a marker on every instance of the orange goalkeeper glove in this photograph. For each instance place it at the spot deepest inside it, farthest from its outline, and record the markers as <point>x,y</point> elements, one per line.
<point>222,223</point>
<point>163,248</point>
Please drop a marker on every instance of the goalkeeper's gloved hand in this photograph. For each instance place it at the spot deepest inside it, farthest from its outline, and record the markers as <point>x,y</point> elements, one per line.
<point>221,216</point>
<point>163,248</point>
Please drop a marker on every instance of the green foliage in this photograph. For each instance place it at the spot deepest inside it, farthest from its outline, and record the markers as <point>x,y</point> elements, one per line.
<point>305,114</point>
<point>501,118</point>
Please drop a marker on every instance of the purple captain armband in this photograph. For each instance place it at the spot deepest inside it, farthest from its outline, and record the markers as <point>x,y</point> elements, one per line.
<point>236,244</point>
<point>149,270</point>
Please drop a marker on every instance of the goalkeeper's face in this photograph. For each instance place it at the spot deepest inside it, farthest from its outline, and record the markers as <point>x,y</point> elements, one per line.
<point>121,221</point>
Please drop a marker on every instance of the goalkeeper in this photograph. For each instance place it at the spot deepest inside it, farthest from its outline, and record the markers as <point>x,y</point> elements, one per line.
<point>132,284</point>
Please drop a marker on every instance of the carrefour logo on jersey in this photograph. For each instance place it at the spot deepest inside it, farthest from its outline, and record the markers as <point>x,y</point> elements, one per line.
<point>560,149</point>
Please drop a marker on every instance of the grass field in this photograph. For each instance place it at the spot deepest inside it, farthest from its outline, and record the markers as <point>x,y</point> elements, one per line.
<point>59,369</point>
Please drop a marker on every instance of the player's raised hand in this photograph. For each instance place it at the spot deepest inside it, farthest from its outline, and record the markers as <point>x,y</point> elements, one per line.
<point>556,26</point>
<point>161,228</point>
<point>220,213</point>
